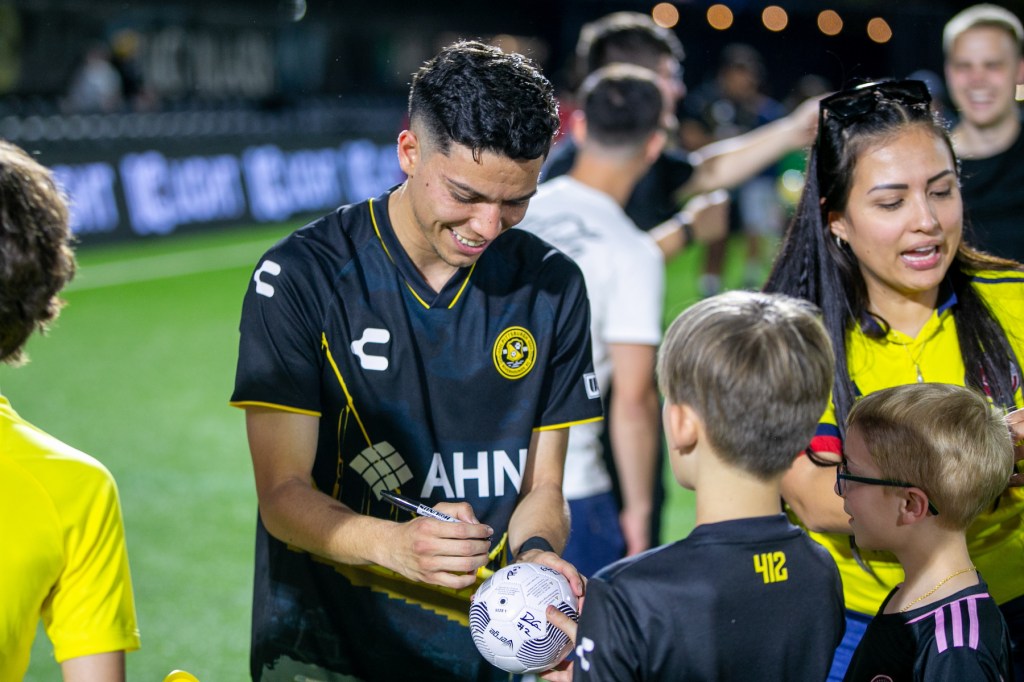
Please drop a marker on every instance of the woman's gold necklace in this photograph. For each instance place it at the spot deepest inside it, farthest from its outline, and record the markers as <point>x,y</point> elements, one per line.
<point>936,588</point>
<point>915,361</point>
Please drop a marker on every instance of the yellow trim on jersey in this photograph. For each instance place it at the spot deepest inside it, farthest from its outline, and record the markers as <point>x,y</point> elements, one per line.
<point>376,229</point>
<point>555,427</point>
<point>348,396</point>
<point>274,406</point>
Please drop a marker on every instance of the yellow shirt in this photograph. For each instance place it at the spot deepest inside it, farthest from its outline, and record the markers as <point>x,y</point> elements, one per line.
<point>65,559</point>
<point>996,538</point>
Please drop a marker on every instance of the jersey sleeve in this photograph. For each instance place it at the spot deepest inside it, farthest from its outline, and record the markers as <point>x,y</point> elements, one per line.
<point>609,643</point>
<point>637,295</point>
<point>960,662</point>
<point>570,394</point>
<point>280,333</point>
<point>826,436</point>
<point>91,608</point>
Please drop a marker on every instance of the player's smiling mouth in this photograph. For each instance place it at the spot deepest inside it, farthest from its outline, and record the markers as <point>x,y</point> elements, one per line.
<point>468,242</point>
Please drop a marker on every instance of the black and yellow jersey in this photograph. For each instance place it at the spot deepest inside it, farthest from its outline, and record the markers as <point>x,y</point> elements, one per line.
<point>431,394</point>
<point>751,598</point>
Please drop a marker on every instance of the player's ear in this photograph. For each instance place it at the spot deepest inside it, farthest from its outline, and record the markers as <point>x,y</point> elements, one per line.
<point>410,150</point>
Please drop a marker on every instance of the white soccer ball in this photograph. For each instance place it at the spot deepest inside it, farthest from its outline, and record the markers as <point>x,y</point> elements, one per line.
<point>507,620</point>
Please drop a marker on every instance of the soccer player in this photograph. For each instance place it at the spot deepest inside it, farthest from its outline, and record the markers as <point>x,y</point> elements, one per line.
<point>984,66</point>
<point>618,133</point>
<point>65,558</point>
<point>413,343</point>
<point>920,462</point>
<point>745,378</point>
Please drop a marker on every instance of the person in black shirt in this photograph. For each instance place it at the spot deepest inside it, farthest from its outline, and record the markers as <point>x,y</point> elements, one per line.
<point>414,343</point>
<point>920,462</point>
<point>745,377</point>
<point>983,67</point>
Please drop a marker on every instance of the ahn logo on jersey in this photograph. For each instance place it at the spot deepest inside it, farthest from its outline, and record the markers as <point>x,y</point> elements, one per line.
<point>514,353</point>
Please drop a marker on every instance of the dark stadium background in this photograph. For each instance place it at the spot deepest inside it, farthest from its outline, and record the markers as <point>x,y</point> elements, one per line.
<point>247,100</point>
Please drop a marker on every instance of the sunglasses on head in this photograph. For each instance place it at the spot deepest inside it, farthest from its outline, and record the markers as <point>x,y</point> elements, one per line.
<point>849,105</point>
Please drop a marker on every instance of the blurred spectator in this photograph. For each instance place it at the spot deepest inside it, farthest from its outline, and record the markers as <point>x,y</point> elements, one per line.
<point>97,86</point>
<point>126,58</point>
<point>983,68</point>
<point>733,103</point>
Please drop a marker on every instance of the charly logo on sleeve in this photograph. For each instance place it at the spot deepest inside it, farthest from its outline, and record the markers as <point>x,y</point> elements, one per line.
<point>514,353</point>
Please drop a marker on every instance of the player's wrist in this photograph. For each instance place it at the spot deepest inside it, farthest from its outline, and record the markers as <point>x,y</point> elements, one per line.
<point>532,543</point>
<point>685,221</point>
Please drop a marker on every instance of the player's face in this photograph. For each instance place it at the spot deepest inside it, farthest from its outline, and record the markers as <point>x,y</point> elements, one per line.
<point>904,217</point>
<point>459,205</point>
<point>983,69</point>
<point>872,508</point>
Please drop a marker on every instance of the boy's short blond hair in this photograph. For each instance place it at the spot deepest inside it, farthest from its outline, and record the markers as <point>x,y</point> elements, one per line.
<point>947,440</point>
<point>982,16</point>
<point>757,368</point>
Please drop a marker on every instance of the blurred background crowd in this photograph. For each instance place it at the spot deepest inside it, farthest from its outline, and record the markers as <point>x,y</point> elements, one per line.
<point>184,115</point>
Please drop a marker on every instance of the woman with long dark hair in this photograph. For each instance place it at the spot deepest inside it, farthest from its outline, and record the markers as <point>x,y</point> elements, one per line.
<point>877,243</point>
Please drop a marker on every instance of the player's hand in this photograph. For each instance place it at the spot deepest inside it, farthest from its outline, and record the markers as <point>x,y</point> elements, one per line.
<point>577,582</point>
<point>439,552</point>
<point>1015,421</point>
<point>563,671</point>
<point>636,530</point>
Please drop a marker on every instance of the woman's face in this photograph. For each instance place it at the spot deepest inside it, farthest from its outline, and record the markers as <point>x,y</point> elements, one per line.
<point>904,216</point>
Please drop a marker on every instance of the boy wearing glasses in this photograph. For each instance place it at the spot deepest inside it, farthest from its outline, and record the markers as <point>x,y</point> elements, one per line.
<point>745,377</point>
<point>920,462</point>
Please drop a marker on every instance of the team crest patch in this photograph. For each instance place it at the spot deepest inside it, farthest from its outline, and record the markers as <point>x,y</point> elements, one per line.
<point>514,353</point>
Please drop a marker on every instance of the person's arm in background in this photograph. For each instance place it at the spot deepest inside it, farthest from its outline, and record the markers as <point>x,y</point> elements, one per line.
<point>727,163</point>
<point>542,511</point>
<point>634,426</point>
<point>704,218</point>
<point>283,447</point>
<point>105,667</point>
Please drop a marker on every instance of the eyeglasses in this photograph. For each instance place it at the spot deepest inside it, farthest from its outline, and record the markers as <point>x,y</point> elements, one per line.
<point>849,105</point>
<point>843,474</point>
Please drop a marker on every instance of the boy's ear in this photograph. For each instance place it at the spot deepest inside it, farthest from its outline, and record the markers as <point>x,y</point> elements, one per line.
<point>915,506</point>
<point>683,426</point>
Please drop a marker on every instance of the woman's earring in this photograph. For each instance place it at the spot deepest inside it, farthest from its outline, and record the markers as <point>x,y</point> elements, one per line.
<point>839,242</point>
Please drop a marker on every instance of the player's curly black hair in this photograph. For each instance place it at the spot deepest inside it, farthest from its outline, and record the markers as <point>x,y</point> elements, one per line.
<point>36,260</point>
<point>485,100</point>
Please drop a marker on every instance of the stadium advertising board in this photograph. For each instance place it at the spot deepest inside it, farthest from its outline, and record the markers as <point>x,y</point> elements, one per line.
<point>119,190</point>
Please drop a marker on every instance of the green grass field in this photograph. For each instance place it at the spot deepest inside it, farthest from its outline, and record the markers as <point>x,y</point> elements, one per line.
<point>137,372</point>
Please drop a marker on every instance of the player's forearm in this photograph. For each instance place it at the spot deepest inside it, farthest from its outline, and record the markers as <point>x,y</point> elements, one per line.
<point>299,515</point>
<point>541,512</point>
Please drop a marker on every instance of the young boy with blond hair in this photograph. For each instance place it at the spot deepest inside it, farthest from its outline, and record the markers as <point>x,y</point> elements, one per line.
<point>920,462</point>
<point>746,377</point>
